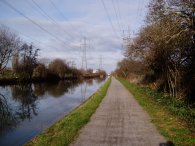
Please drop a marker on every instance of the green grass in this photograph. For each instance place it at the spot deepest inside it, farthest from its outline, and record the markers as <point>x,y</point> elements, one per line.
<point>64,131</point>
<point>173,119</point>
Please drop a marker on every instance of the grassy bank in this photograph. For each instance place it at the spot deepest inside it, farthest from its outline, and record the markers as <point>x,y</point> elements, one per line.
<point>173,118</point>
<point>64,131</point>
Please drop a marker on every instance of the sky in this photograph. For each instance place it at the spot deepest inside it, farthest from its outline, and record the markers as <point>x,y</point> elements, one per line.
<point>60,28</point>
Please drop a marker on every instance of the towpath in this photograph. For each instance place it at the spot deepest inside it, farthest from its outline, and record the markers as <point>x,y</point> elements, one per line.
<point>119,121</point>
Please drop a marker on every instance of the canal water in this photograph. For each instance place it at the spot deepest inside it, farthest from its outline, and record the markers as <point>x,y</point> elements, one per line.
<point>29,109</point>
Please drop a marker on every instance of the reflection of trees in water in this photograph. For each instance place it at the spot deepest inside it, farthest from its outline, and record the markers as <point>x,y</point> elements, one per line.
<point>40,89</point>
<point>73,85</point>
<point>10,117</point>
<point>7,118</point>
<point>99,80</point>
<point>55,89</point>
<point>24,94</point>
<point>26,97</point>
<point>89,82</point>
<point>59,89</point>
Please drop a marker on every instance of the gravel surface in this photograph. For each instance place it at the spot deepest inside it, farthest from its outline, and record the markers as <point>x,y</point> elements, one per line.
<point>119,121</point>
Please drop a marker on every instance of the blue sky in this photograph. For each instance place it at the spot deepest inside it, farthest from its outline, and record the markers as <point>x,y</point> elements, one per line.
<point>71,21</point>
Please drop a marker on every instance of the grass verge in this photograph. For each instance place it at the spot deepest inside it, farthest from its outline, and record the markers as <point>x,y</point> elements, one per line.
<point>64,131</point>
<point>174,120</point>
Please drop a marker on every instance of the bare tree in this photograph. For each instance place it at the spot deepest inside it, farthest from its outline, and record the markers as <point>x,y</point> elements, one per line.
<point>25,61</point>
<point>9,43</point>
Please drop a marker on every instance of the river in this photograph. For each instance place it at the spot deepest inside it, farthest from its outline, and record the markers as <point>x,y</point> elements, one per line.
<point>27,110</point>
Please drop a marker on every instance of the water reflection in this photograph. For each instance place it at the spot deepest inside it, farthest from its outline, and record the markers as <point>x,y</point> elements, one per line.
<point>26,108</point>
<point>55,89</point>
<point>8,119</point>
<point>83,91</point>
<point>24,95</point>
<point>89,82</point>
<point>99,80</point>
<point>84,85</point>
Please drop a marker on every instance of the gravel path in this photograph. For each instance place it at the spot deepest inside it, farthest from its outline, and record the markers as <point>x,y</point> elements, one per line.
<point>119,121</point>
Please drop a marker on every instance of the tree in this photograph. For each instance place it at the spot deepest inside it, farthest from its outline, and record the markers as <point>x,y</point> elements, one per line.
<point>40,71</point>
<point>25,61</point>
<point>186,11</point>
<point>9,43</point>
<point>128,67</point>
<point>173,49</point>
<point>166,45</point>
<point>58,67</point>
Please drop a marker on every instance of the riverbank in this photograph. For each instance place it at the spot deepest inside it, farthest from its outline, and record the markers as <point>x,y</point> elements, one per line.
<point>64,131</point>
<point>174,119</point>
<point>11,78</point>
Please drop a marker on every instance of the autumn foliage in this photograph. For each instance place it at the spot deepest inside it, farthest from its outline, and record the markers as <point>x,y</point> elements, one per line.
<point>164,49</point>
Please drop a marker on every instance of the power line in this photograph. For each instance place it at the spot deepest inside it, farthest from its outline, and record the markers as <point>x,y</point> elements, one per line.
<point>31,38</point>
<point>119,13</point>
<point>109,18</point>
<point>45,13</point>
<point>32,21</point>
<point>64,17</point>
<point>53,4</point>
<point>125,37</point>
<point>117,17</point>
<point>37,5</point>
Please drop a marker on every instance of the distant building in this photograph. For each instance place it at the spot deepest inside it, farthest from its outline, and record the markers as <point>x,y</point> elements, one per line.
<point>95,71</point>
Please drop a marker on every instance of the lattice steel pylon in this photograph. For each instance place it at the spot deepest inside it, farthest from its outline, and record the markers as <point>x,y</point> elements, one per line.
<point>126,38</point>
<point>84,57</point>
